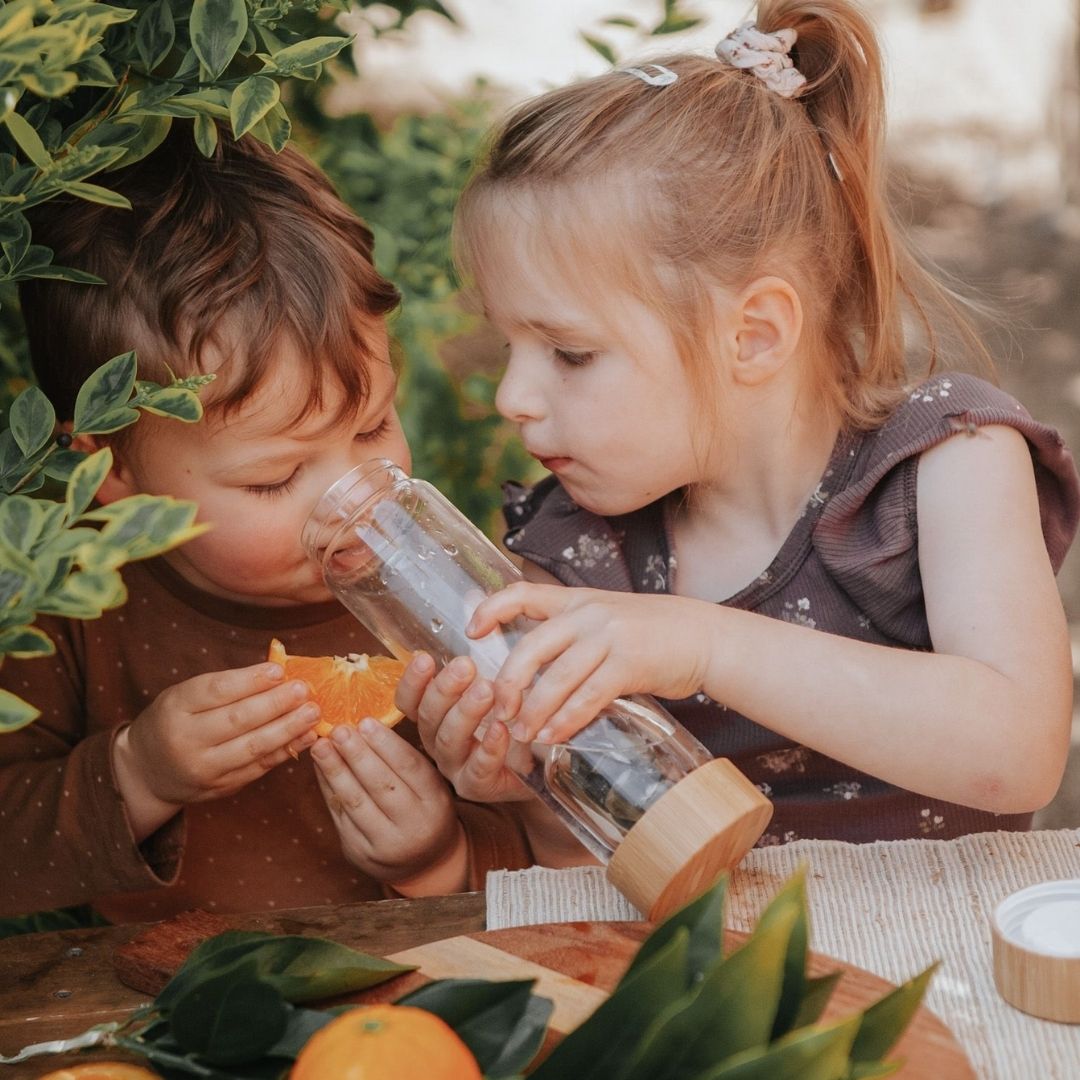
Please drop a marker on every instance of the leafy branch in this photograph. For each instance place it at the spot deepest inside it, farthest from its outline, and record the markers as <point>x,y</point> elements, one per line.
<point>63,557</point>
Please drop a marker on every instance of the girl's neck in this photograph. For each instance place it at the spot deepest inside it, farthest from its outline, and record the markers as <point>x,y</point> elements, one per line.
<point>759,479</point>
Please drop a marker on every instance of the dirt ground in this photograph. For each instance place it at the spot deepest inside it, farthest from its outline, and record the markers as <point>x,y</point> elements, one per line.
<point>1027,268</point>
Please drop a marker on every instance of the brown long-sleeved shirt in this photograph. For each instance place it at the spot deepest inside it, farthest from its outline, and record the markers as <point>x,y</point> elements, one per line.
<point>64,834</point>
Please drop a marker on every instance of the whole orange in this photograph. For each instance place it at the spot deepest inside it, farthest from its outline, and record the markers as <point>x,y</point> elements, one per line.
<point>102,1070</point>
<point>385,1042</point>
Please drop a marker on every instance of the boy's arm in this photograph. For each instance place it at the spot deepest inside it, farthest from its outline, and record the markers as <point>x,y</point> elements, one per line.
<point>64,829</point>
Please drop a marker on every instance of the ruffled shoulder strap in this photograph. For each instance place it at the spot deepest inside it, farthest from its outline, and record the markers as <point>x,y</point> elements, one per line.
<point>867,536</point>
<point>546,526</point>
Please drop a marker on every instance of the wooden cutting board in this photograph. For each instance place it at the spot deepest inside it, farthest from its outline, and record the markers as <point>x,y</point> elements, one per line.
<point>576,965</point>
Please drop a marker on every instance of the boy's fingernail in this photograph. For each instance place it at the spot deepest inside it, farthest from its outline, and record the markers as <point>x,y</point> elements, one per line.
<point>310,712</point>
<point>520,732</point>
<point>298,691</point>
<point>545,734</point>
<point>341,734</point>
<point>459,667</point>
<point>423,664</point>
<point>470,628</point>
<point>321,749</point>
<point>369,725</point>
<point>274,671</point>
<point>479,691</point>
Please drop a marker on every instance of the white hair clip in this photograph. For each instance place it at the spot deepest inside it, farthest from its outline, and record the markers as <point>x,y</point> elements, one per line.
<point>766,55</point>
<point>653,74</point>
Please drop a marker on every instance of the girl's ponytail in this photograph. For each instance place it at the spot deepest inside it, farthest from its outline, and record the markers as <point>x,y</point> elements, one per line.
<point>720,175</point>
<point>844,97</point>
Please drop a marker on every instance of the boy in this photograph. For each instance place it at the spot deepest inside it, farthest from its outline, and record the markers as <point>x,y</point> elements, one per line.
<point>158,777</point>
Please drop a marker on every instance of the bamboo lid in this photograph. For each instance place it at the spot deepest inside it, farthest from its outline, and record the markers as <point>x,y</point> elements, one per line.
<point>1036,935</point>
<point>701,827</point>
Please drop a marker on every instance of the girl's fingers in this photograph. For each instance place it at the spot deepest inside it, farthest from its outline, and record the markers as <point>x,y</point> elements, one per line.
<point>556,686</point>
<point>522,598</point>
<point>218,688</point>
<point>413,683</point>
<point>538,648</point>
<point>581,708</point>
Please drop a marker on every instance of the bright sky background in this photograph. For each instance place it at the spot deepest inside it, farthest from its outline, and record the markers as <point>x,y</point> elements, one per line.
<point>978,93</point>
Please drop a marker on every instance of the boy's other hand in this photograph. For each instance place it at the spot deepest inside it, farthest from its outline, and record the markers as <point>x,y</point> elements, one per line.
<point>448,708</point>
<point>209,736</point>
<point>393,811</point>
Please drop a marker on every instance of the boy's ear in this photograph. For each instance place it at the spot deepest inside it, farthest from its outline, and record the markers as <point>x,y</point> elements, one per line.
<point>768,327</point>
<point>119,483</point>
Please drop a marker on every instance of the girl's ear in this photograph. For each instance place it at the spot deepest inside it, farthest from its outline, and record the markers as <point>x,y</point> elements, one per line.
<point>119,483</point>
<point>768,326</point>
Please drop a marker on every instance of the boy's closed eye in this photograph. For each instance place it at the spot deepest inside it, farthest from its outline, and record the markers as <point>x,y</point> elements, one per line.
<point>281,487</point>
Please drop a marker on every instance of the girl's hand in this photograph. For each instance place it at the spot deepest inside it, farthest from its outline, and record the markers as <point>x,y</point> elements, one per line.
<point>448,709</point>
<point>207,737</point>
<point>393,811</point>
<point>590,647</point>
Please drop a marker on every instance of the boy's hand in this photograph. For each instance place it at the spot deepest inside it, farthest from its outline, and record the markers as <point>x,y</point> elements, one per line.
<point>209,736</point>
<point>448,709</point>
<point>393,811</point>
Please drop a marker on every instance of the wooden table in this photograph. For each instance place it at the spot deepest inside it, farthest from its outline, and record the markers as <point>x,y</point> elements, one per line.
<point>54,986</point>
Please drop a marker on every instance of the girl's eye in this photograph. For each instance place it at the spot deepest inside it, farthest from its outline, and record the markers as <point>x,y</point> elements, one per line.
<point>573,359</point>
<point>270,490</point>
<point>375,433</point>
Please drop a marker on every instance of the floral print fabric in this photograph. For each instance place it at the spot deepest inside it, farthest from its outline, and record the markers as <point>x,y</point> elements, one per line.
<point>850,567</point>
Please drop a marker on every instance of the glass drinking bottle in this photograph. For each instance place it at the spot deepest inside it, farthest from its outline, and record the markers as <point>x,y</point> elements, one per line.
<point>413,569</point>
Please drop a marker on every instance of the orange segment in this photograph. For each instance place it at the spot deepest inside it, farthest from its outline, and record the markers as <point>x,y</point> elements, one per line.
<point>347,688</point>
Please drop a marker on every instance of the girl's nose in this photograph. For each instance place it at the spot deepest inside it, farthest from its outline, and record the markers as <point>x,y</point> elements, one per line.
<point>519,397</point>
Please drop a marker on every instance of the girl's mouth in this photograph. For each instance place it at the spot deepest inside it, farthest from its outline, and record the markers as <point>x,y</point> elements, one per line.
<point>555,464</point>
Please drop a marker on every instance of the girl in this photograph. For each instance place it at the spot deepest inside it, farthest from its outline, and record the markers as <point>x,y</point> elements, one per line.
<point>839,577</point>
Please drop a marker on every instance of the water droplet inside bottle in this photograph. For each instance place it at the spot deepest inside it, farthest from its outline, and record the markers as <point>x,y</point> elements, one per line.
<point>450,549</point>
<point>436,625</point>
<point>423,554</point>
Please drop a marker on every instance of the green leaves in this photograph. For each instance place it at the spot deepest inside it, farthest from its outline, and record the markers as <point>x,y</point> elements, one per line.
<point>101,404</point>
<point>32,419</point>
<point>217,29</point>
<point>684,1011</point>
<point>299,968</point>
<point>155,34</point>
<point>251,101</point>
<point>227,1021</point>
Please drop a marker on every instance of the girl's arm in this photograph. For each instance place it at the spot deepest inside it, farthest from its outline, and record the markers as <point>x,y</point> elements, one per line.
<point>982,721</point>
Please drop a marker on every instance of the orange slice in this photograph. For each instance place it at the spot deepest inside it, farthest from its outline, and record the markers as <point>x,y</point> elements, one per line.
<point>347,688</point>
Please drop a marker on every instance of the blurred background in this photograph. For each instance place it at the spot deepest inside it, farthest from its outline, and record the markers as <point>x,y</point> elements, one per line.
<point>984,148</point>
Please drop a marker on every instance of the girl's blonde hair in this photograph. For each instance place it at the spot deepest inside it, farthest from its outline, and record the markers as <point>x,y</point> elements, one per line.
<point>715,180</point>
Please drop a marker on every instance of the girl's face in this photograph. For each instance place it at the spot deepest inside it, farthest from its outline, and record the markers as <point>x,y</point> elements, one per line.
<point>598,391</point>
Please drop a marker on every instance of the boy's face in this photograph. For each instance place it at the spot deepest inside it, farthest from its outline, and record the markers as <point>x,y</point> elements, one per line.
<point>256,475</point>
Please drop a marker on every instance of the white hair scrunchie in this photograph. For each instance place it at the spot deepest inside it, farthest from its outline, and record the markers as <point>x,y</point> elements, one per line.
<point>766,55</point>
